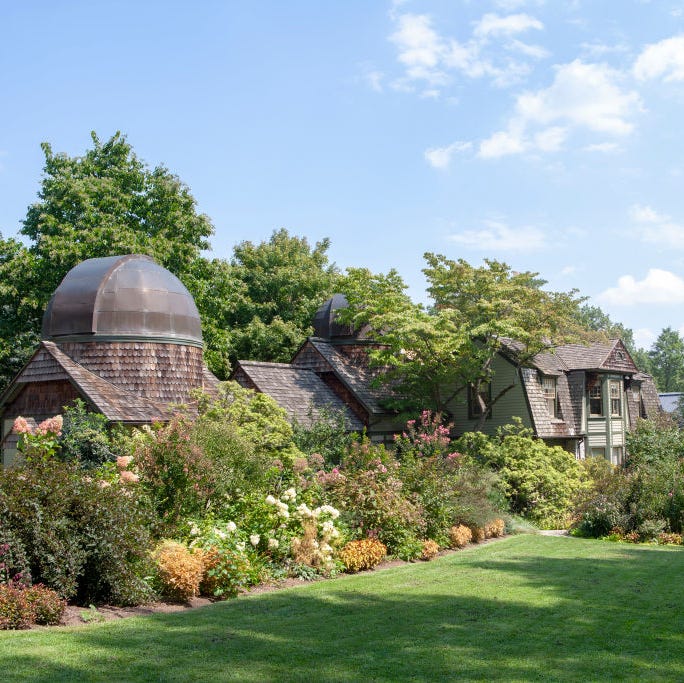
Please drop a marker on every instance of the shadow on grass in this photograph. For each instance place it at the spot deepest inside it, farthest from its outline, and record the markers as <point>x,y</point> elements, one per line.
<point>537,609</point>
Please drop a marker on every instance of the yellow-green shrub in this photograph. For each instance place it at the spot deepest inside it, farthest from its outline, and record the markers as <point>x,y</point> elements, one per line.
<point>364,554</point>
<point>495,528</point>
<point>430,549</point>
<point>460,536</point>
<point>180,570</point>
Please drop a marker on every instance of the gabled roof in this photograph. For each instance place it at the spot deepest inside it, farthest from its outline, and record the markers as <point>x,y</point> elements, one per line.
<point>598,356</point>
<point>115,403</point>
<point>301,392</point>
<point>49,363</point>
<point>357,377</point>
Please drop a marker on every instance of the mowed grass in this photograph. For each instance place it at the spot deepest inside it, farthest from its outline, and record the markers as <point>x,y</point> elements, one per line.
<point>523,609</point>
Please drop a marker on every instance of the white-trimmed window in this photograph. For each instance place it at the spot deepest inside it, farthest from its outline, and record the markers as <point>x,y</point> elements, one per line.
<point>596,400</point>
<point>550,389</point>
<point>615,398</point>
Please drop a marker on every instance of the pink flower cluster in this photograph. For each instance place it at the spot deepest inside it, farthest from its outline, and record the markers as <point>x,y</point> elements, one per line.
<point>52,425</point>
<point>125,475</point>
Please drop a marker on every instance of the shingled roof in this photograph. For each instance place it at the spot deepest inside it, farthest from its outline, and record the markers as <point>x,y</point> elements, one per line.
<point>116,404</point>
<point>358,377</point>
<point>301,392</point>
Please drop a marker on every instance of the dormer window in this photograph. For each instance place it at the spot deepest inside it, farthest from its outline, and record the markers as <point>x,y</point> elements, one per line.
<point>549,387</point>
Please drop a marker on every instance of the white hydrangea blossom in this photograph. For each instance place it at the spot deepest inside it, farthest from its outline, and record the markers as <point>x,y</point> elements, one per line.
<point>254,539</point>
<point>273,543</point>
<point>270,499</point>
<point>290,494</point>
<point>231,526</point>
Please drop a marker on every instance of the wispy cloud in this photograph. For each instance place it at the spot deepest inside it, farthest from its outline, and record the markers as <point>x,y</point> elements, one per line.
<point>497,25</point>
<point>656,228</point>
<point>658,287</point>
<point>440,157</point>
<point>432,59</point>
<point>582,96</point>
<point>498,236</point>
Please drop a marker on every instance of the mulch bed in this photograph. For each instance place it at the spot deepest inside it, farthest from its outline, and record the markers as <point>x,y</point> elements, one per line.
<point>80,616</point>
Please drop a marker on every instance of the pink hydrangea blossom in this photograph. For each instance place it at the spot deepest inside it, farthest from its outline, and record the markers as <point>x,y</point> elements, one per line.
<point>21,426</point>
<point>123,461</point>
<point>128,477</point>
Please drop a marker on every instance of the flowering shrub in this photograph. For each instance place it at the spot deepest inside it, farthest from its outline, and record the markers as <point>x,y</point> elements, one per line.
<point>495,528</point>
<point>460,536</point>
<point>430,550</point>
<point>369,493</point>
<point>230,562</point>
<point>175,473</point>
<point>48,607</point>
<point>179,570</point>
<point>425,438</point>
<point>365,553</point>
<point>669,539</point>
<point>41,441</point>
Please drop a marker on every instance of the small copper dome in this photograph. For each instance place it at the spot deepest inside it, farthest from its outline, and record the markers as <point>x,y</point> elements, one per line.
<point>119,298</point>
<point>325,323</point>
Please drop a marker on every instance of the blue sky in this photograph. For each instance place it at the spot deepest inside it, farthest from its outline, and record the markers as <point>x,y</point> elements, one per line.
<point>543,133</point>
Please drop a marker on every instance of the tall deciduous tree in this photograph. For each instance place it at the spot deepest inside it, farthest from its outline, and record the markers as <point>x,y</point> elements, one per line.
<point>667,360</point>
<point>102,203</point>
<point>282,283</point>
<point>434,353</point>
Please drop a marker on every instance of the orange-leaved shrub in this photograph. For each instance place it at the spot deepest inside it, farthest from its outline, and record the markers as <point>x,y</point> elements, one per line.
<point>362,554</point>
<point>430,550</point>
<point>180,571</point>
<point>665,538</point>
<point>16,610</point>
<point>494,528</point>
<point>21,605</point>
<point>48,606</point>
<point>460,536</point>
<point>478,533</point>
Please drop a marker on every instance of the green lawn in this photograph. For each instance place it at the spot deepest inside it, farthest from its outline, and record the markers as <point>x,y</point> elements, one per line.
<point>525,608</point>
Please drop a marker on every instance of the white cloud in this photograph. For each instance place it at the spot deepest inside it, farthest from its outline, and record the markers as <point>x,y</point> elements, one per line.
<point>497,236</point>
<point>440,157</point>
<point>602,147</point>
<point>431,58</point>
<point>534,51</point>
<point>501,144</point>
<point>644,337</point>
<point>582,96</point>
<point>656,228</point>
<point>664,59</point>
<point>602,49</point>
<point>568,270</point>
<point>496,25</point>
<point>658,287</point>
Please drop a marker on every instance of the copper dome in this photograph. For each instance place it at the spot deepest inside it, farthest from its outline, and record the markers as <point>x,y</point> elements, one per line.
<point>119,298</point>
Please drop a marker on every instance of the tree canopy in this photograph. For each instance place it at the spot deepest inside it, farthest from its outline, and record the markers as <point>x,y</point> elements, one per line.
<point>667,361</point>
<point>259,305</point>
<point>433,353</point>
